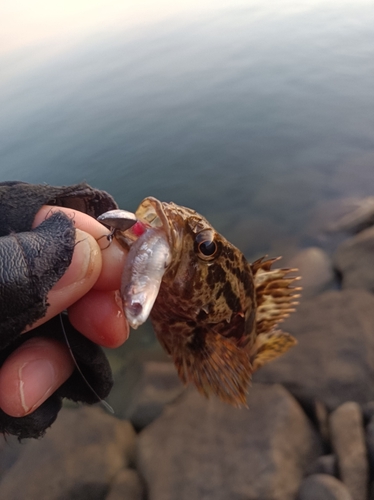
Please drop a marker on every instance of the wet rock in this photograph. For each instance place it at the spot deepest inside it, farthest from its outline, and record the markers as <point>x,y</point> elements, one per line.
<point>326,464</point>
<point>315,269</point>
<point>323,487</point>
<point>143,389</point>
<point>211,450</point>
<point>348,442</point>
<point>354,260</point>
<point>78,458</point>
<point>334,358</point>
<point>126,486</point>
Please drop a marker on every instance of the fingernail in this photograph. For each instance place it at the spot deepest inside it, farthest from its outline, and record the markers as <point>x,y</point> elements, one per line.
<point>36,383</point>
<point>81,261</point>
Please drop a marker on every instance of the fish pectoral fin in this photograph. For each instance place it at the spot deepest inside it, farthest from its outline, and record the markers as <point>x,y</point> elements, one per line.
<point>269,346</point>
<point>275,295</point>
<point>215,365</point>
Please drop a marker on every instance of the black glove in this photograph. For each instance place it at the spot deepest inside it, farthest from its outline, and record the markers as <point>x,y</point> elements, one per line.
<point>31,262</point>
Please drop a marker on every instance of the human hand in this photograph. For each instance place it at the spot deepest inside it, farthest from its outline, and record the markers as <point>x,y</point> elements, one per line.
<point>87,289</point>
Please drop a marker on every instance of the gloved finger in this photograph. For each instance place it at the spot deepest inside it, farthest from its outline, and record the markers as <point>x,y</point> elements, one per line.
<point>79,278</point>
<point>113,254</point>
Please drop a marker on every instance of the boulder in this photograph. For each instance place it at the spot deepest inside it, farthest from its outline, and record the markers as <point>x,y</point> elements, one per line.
<point>206,449</point>
<point>334,358</point>
<point>354,260</point>
<point>348,442</point>
<point>77,459</point>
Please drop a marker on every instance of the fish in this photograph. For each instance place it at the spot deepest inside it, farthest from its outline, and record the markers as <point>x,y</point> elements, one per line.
<point>215,314</point>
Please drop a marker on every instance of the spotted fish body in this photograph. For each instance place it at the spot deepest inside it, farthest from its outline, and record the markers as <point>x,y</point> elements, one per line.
<point>214,314</point>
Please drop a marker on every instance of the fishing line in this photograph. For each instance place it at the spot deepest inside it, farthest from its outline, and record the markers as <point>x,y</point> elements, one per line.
<point>100,400</point>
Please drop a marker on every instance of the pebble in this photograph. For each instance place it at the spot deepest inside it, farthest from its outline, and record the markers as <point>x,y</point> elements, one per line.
<point>315,268</point>
<point>348,442</point>
<point>323,487</point>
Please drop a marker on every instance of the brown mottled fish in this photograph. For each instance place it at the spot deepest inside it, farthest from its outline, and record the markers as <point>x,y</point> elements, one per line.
<point>215,314</point>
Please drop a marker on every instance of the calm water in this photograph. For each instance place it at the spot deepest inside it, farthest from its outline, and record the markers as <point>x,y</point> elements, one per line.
<point>254,116</point>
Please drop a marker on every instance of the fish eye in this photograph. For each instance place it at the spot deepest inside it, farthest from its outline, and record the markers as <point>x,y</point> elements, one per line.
<point>205,246</point>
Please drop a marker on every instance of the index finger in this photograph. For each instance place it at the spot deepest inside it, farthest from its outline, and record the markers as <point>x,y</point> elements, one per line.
<point>81,220</point>
<point>113,255</point>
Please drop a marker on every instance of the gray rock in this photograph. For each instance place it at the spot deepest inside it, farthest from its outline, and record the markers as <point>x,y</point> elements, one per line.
<point>315,269</point>
<point>143,389</point>
<point>334,358</point>
<point>327,464</point>
<point>323,487</point>
<point>77,459</point>
<point>126,486</point>
<point>348,442</point>
<point>354,260</point>
<point>205,449</point>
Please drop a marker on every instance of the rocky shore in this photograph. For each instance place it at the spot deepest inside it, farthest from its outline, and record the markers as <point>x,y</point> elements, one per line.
<point>308,432</point>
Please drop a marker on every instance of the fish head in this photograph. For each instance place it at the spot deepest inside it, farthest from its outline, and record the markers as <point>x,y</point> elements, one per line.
<point>208,281</point>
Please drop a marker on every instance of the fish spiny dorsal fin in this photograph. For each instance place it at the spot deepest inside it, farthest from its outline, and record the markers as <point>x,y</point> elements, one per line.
<point>216,366</point>
<point>274,295</point>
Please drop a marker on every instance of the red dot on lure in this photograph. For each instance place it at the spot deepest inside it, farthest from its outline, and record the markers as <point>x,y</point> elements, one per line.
<point>138,228</point>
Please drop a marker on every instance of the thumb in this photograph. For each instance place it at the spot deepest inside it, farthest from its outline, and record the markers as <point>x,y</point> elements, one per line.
<point>79,278</point>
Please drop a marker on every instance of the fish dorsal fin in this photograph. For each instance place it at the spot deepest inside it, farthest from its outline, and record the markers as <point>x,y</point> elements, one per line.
<point>275,296</point>
<point>269,346</point>
<point>216,367</point>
